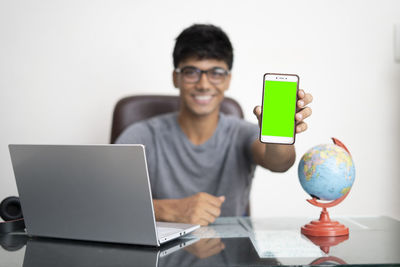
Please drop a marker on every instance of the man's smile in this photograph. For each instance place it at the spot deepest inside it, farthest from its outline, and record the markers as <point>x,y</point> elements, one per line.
<point>203,99</point>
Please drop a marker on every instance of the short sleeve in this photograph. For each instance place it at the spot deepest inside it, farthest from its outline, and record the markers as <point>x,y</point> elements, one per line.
<point>139,133</point>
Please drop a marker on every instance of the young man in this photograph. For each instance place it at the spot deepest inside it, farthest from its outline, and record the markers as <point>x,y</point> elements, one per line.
<point>201,162</point>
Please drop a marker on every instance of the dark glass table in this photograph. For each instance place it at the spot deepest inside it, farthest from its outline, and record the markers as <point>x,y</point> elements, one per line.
<point>231,241</point>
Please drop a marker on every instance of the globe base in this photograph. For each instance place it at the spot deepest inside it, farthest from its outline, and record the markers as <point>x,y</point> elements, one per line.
<point>324,227</point>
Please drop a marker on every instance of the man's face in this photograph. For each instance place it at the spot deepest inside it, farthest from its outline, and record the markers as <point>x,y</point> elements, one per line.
<point>204,96</point>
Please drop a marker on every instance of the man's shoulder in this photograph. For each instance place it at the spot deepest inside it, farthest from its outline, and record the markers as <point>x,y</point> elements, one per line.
<point>148,127</point>
<point>161,121</point>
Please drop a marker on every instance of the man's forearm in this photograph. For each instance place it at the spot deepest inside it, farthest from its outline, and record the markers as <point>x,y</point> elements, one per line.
<point>277,158</point>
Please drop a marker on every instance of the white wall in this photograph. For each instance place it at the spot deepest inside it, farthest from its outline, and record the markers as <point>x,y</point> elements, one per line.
<point>64,64</point>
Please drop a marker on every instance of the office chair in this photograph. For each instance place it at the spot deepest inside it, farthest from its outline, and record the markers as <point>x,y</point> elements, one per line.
<point>133,109</point>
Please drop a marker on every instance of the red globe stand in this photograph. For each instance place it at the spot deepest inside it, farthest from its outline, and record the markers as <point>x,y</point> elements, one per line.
<point>324,226</point>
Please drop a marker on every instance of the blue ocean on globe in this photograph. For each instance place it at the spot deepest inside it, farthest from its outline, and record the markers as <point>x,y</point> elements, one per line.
<point>326,172</point>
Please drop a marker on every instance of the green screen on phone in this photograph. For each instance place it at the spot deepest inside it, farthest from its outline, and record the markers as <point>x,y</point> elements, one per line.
<point>279,107</point>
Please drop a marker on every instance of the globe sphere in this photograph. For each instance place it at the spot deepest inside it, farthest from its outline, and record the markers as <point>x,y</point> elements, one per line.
<point>326,172</point>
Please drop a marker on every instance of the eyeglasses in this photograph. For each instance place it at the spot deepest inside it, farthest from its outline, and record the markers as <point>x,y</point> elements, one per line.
<point>192,74</point>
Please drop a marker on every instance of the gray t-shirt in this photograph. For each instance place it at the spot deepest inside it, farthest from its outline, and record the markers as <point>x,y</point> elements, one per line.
<point>223,165</point>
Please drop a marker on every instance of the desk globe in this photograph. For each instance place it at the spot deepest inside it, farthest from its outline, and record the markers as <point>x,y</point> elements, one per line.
<point>326,172</point>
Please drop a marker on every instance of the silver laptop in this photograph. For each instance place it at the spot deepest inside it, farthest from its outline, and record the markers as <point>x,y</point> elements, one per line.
<point>89,192</point>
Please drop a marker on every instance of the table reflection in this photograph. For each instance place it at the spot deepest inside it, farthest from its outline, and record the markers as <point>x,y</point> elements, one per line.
<point>272,241</point>
<point>13,242</point>
<point>182,252</point>
<point>206,247</point>
<point>326,242</point>
<point>48,252</point>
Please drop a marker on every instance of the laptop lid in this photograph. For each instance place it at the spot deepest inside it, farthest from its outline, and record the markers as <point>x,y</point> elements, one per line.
<point>85,192</point>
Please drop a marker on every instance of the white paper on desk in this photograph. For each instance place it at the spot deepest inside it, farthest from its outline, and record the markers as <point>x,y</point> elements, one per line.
<point>219,231</point>
<point>284,244</point>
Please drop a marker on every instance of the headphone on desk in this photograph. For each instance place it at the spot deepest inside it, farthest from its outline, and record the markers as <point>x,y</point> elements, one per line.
<point>11,213</point>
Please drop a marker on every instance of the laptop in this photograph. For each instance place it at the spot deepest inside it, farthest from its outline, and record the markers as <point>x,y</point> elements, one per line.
<point>89,192</point>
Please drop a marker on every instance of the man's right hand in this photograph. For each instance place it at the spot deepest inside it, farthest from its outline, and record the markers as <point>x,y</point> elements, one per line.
<point>201,208</point>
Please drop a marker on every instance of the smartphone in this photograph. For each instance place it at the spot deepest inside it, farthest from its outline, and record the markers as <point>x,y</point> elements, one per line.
<point>278,124</point>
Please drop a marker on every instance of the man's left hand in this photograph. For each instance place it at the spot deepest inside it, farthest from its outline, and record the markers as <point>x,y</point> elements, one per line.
<point>302,111</point>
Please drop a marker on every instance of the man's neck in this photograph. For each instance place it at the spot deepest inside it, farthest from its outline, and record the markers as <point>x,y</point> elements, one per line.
<point>198,129</point>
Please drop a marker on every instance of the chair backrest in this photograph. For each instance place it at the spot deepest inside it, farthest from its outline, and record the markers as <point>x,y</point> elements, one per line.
<point>132,109</point>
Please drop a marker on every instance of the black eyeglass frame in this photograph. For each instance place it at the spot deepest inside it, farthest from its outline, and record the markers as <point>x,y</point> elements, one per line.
<point>206,72</point>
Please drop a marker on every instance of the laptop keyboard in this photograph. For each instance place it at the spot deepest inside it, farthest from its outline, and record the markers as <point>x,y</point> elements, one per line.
<point>165,231</point>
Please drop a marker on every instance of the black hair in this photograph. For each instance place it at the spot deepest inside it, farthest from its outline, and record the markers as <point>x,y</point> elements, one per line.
<point>203,41</point>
